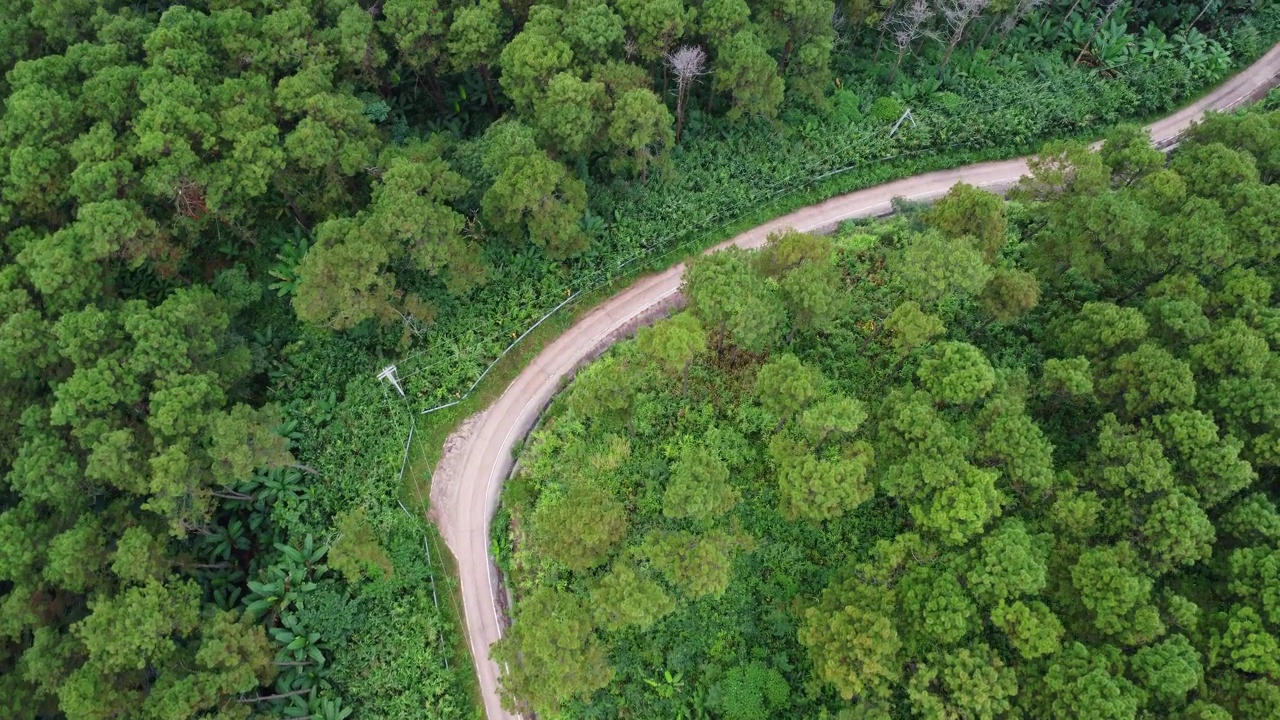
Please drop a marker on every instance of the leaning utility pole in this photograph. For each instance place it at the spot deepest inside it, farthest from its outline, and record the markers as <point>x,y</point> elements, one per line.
<point>389,374</point>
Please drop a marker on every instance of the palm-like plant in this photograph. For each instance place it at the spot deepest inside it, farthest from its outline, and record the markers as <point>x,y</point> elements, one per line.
<point>299,644</point>
<point>1154,44</point>
<point>285,269</point>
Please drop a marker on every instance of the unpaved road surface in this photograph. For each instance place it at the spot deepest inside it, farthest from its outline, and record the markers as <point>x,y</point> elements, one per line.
<point>464,492</point>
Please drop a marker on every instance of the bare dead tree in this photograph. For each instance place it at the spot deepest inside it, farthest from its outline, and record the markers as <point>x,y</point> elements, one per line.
<point>957,15</point>
<point>904,27</point>
<point>687,64</point>
<point>1108,6</point>
<point>884,28</point>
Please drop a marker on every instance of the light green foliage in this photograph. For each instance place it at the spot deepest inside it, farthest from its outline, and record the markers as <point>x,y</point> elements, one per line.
<point>733,300</point>
<point>656,25</point>
<point>640,131</point>
<point>743,68</point>
<point>552,653</point>
<point>1210,463</point>
<point>604,391</point>
<point>1084,682</point>
<point>532,195</point>
<point>139,556</point>
<point>1201,710</point>
<point>1117,593</point>
<point>674,343</point>
<point>533,57</point>
<point>820,488</point>
<point>1148,379</point>
<point>1018,444</point>
<point>699,486</point>
<point>910,327</point>
<point>833,416</point>
<point>476,34</point>
<point>699,564</point>
<point>936,607</point>
<point>356,553</point>
<point>956,373</point>
<point>786,386</point>
<point>1102,329</point>
<point>720,19</point>
<point>1009,295</point>
<point>1128,153</point>
<point>76,556</point>
<point>593,30</point>
<point>854,646</point>
<point>1168,669</point>
<point>1032,628</point>
<point>933,266</point>
<point>410,208</point>
<point>1136,461</point>
<point>626,596</point>
<point>1011,565</point>
<point>814,294</point>
<point>1248,645</point>
<point>342,280</point>
<point>580,528</point>
<point>927,467</point>
<point>136,628</point>
<point>967,212</point>
<point>570,113</point>
<point>1177,532</point>
<point>967,682</point>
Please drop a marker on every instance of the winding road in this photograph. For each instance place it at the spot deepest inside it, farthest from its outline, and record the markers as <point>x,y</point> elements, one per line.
<point>478,458</point>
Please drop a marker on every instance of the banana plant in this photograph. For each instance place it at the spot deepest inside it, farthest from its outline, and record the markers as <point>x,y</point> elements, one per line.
<point>287,583</point>
<point>1111,45</point>
<point>911,92</point>
<point>668,686</point>
<point>309,555</point>
<point>290,432</point>
<point>285,269</point>
<point>319,708</point>
<point>1154,44</point>
<point>299,645</point>
<point>223,540</point>
<point>593,225</point>
<point>273,485</point>
<point>325,407</point>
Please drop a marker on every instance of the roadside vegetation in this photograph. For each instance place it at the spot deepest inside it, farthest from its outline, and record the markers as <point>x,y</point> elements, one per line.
<point>982,460</point>
<point>219,220</point>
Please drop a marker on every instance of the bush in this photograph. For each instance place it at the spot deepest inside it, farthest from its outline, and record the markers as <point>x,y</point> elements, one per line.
<point>887,109</point>
<point>844,107</point>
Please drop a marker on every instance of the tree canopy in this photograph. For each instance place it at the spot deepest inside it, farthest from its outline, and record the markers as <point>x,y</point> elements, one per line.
<point>991,486</point>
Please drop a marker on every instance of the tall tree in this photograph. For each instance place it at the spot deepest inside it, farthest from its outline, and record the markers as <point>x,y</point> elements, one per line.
<point>552,653</point>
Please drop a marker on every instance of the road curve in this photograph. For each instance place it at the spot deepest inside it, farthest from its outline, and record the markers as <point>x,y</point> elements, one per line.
<point>481,457</point>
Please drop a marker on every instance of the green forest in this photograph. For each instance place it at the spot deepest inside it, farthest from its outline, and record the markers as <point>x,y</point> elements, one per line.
<point>220,218</point>
<point>982,460</point>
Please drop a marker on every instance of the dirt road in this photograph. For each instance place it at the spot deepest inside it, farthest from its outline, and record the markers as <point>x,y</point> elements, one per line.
<point>464,491</point>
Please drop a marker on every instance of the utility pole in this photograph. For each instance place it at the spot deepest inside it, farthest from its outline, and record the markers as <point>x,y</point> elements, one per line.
<point>389,374</point>
<point>905,116</point>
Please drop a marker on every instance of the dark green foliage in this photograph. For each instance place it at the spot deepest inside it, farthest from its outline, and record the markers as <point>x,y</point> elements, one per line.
<point>749,692</point>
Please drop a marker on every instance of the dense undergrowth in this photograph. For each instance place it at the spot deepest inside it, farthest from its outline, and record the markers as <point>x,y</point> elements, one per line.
<point>986,460</point>
<point>989,107</point>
